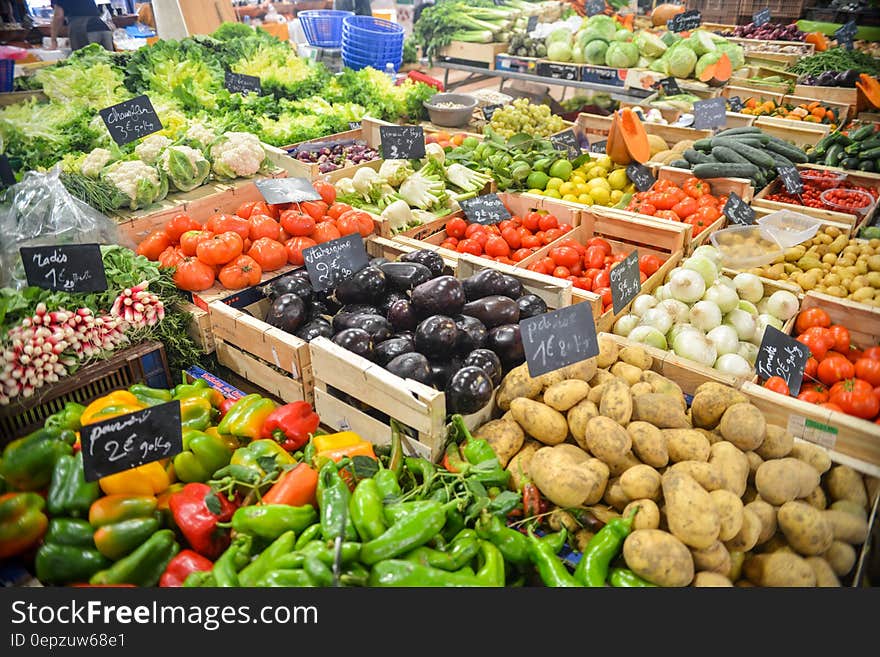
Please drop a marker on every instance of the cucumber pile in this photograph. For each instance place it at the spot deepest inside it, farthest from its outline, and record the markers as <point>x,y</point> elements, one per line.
<point>857,151</point>
<point>740,153</point>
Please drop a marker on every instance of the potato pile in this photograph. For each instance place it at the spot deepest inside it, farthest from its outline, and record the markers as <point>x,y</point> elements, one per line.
<point>724,498</point>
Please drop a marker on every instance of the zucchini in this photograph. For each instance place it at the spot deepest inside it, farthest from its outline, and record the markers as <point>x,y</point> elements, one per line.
<point>704,145</point>
<point>868,144</point>
<point>725,170</point>
<point>867,165</point>
<point>724,154</point>
<point>834,155</point>
<point>851,163</point>
<point>696,157</point>
<point>862,133</point>
<point>680,164</point>
<point>852,149</point>
<point>756,156</point>
<point>787,151</point>
<point>870,154</point>
<point>740,131</point>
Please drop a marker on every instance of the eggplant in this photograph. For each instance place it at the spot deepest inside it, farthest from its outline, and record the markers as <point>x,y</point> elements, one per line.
<point>506,342</point>
<point>377,326</point>
<point>485,283</point>
<point>407,335</point>
<point>471,333</point>
<point>318,327</point>
<point>493,311</point>
<point>487,361</point>
<point>511,287</point>
<point>315,310</point>
<point>355,340</point>
<point>442,371</point>
<point>359,308</point>
<point>386,302</point>
<point>376,262</point>
<point>436,336</point>
<point>402,316</point>
<point>294,283</point>
<point>430,259</point>
<point>345,318</point>
<point>530,305</point>
<point>412,365</point>
<point>287,312</point>
<point>405,275</point>
<point>385,352</point>
<point>439,296</point>
<point>366,286</point>
<point>469,390</point>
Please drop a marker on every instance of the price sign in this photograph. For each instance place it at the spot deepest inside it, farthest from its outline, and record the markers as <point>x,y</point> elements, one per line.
<point>641,176</point>
<point>598,146</point>
<point>486,209</point>
<point>558,71</point>
<point>7,177</point>
<point>489,110</point>
<point>130,440</point>
<point>332,262</point>
<point>669,86</point>
<point>738,211</point>
<point>710,113</point>
<point>354,125</point>
<point>735,103</point>
<point>532,23</point>
<point>625,281</point>
<point>131,120</point>
<point>243,84</point>
<point>402,142</point>
<point>594,7</point>
<point>791,178</point>
<point>844,35</point>
<point>286,190</point>
<point>567,141</point>
<point>689,20</point>
<point>761,17</point>
<point>782,355</point>
<point>559,338</point>
<point>67,268</point>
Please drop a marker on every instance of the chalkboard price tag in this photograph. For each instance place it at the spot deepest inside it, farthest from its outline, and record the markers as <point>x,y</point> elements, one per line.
<point>559,338</point>
<point>791,179</point>
<point>594,7</point>
<point>782,355</point>
<point>489,110</point>
<point>286,190</point>
<point>567,141</point>
<point>131,120</point>
<point>7,177</point>
<point>710,113</point>
<point>558,71</point>
<point>486,209</point>
<point>761,17</point>
<point>736,103</point>
<point>598,146</point>
<point>531,24</point>
<point>243,84</point>
<point>402,142</point>
<point>738,211</point>
<point>684,22</point>
<point>66,268</point>
<point>844,35</point>
<point>332,262</point>
<point>131,440</point>
<point>625,281</point>
<point>641,176</point>
<point>669,86</point>
<point>354,125</point>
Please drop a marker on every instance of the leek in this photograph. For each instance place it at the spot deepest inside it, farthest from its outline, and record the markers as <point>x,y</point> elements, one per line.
<point>473,36</point>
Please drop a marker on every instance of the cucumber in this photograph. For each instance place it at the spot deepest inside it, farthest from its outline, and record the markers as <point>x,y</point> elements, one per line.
<point>851,163</point>
<point>867,165</point>
<point>704,145</point>
<point>853,149</point>
<point>696,157</point>
<point>870,154</point>
<point>868,144</point>
<point>680,164</point>
<point>724,154</point>
<point>787,151</point>
<point>757,157</point>
<point>781,160</point>
<point>862,133</point>
<point>740,131</point>
<point>834,155</point>
<point>725,170</point>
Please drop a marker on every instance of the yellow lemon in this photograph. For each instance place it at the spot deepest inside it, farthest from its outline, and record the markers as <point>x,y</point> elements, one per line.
<point>577,179</point>
<point>586,199</point>
<point>617,179</point>
<point>570,197</point>
<point>539,192</point>
<point>566,188</point>
<point>600,183</point>
<point>553,193</point>
<point>629,189</point>
<point>605,162</point>
<point>597,172</point>
<point>616,195</point>
<point>600,195</point>
<point>554,183</point>
<point>582,188</point>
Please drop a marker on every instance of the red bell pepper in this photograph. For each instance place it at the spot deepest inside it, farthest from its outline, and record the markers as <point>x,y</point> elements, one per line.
<point>225,405</point>
<point>184,563</point>
<point>198,523</point>
<point>291,425</point>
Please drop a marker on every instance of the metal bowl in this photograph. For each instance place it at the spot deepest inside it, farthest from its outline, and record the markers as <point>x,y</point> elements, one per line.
<point>447,117</point>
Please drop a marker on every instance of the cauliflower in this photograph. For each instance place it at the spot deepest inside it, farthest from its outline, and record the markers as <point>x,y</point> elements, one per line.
<point>186,167</point>
<point>237,155</point>
<point>201,134</point>
<point>151,148</point>
<point>140,183</point>
<point>96,160</point>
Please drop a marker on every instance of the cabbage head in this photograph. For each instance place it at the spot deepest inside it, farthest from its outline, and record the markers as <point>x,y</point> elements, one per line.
<point>734,53</point>
<point>621,55</point>
<point>660,66</point>
<point>594,52</point>
<point>649,44</point>
<point>186,167</point>
<point>559,52</point>
<point>681,61</point>
<point>701,42</point>
<point>709,59</point>
<point>602,25</point>
<point>561,35</point>
<point>623,35</point>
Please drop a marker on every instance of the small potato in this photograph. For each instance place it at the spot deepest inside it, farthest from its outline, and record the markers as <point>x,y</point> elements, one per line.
<point>641,481</point>
<point>825,575</point>
<point>606,439</point>
<point>658,557</point>
<point>783,480</point>
<point>618,466</point>
<point>711,400</point>
<point>817,499</point>
<point>540,421</point>
<point>806,529</point>
<point>748,534</point>
<point>780,569</point>
<point>565,394</point>
<point>844,483</point>
<point>711,436</point>
<point>846,527</point>
<point>744,426</point>
<point>517,383</point>
<point>648,443</point>
<point>616,403</point>
<point>841,557</point>
<point>583,370</point>
<point>608,351</point>
<point>648,515</point>
<point>690,511</point>
<point>637,357</point>
<point>661,385</point>
<point>711,580</point>
<point>734,465</point>
<point>641,388</point>
<point>812,454</point>
<point>573,453</point>
<point>560,519</point>
<point>582,538</point>
<point>614,495</point>
<point>730,511</point>
<point>551,379</point>
<point>562,479</point>
<point>600,377</point>
<point>596,391</point>
<point>708,475</point>
<point>601,471</point>
<point>656,409</point>
<point>714,558</point>
<point>777,443</point>
<point>755,462</point>
<point>777,543</point>
<point>578,416</point>
<point>686,445</point>
<point>767,515</point>
<point>849,506</point>
<point>505,437</point>
<point>629,373</point>
<point>518,466</point>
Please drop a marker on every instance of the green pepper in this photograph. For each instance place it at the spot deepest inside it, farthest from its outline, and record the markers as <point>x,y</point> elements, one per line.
<point>474,450</point>
<point>318,571</point>
<point>145,565</point>
<point>28,462</point>
<point>150,396</point>
<point>258,453</point>
<point>286,578</point>
<point>118,539</point>
<point>394,513</point>
<point>409,532</point>
<point>389,488</point>
<point>69,492</point>
<point>199,579</point>
<point>625,578</point>
<point>513,544</point>
<point>269,521</point>
<point>196,413</point>
<point>198,388</point>
<point>68,553</point>
<point>366,510</point>
<point>333,500</point>
<point>463,549</point>
<point>397,572</point>
<point>202,456</point>
<point>491,571</point>
<point>310,534</point>
<point>263,564</point>
<point>395,460</point>
<point>551,570</point>
<point>603,548</point>
<point>324,551</point>
<point>234,559</point>
<point>423,469</point>
<point>556,540</point>
<point>67,418</point>
<point>355,575</point>
<point>246,417</point>
<point>454,522</point>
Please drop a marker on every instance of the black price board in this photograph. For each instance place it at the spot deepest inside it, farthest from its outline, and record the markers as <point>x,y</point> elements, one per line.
<point>531,24</point>
<point>844,35</point>
<point>791,178</point>
<point>332,262</point>
<point>761,17</point>
<point>669,86</point>
<point>559,338</point>
<point>738,211</point>
<point>490,110</point>
<point>626,281</point>
<point>567,141</point>
<point>736,103</point>
<point>354,125</point>
<point>594,7</point>
<point>66,268</point>
<point>684,22</point>
<point>402,142</point>
<point>558,71</point>
<point>598,146</point>
<point>7,177</point>
<point>286,190</point>
<point>782,355</point>
<point>641,176</point>
<point>243,84</point>
<point>131,440</point>
<point>710,113</point>
<point>131,120</point>
<point>486,209</point>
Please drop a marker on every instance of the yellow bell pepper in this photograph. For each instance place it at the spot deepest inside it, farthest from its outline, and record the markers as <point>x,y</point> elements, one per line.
<point>231,441</point>
<point>147,479</point>
<point>116,403</point>
<point>327,441</point>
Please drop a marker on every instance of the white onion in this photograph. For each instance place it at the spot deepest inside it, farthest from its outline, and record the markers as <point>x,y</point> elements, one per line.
<point>725,339</point>
<point>680,328</point>
<point>662,293</point>
<point>749,287</point>
<point>748,351</point>
<point>625,325</point>
<point>677,309</point>
<point>657,317</point>
<point>742,322</point>
<point>687,286</point>
<point>705,315</point>
<point>704,267</point>
<point>695,346</point>
<point>782,304</point>
<point>733,364</point>
<point>762,322</point>
<point>748,306</point>
<point>648,335</point>
<point>726,280</point>
<point>710,252</point>
<point>762,306</point>
<point>672,273</point>
<point>643,304</point>
<point>723,296</point>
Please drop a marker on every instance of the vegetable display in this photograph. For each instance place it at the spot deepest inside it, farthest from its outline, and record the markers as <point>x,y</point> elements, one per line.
<point>835,67</point>
<point>767,32</point>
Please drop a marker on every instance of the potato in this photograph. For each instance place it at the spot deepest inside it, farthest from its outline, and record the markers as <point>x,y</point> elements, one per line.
<point>600,377</point>
<point>648,515</point>
<point>766,513</point>
<point>846,527</point>
<point>629,373</point>
<point>636,356</point>
<point>706,580</point>
<point>714,558</point>
<point>505,437</point>
<point>614,495</point>
<point>777,443</point>
<point>656,409</point>
<point>817,499</point>
<point>517,383</point>
<point>841,557</point>
<point>711,436</point>
<point>661,385</point>
<point>711,400</point>
<point>641,481</point>
<point>730,511</point>
<point>550,379</point>
<point>744,426</point>
<point>755,462</point>
<point>618,466</point>
<point>565,394</point>
<point>825,575</point>
<point>578,416</point>
<point>781,569</point>
<point>805,528</point>
<point>641,388</point>
<point>540,421</point>
<point>686,445</point>
<point>583,370</point>
<point>596,391</point>
<point>560,519</point>
<point>850,507</point>
<point>690,511</point>
<point>648,443</point>
<point>734,465</point>
<point>844,483</point>
<point>608,351</point>
<point>783,480</point>
<point>812,454</point>
<point>658,557</point>
<point>518,466</point>
<point>606,439</point>
<point>573,452</point>
<point>747,537</point>
<point>562,479</point>
<point>616,402</point>
<point>708,475</point>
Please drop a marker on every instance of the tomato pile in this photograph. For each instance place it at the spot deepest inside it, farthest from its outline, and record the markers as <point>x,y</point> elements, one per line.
<point>812,196</point>
<point>509,241</point>
<point>237,248</point>
<point>841,377</point>
<point>693,203</point>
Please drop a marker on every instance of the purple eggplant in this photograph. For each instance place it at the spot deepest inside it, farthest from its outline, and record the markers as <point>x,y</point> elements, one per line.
<point>469,390</point>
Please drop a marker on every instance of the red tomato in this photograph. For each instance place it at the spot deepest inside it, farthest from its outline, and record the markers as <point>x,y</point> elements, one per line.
<point>777,384</point>
<point>512,236</point>
<point>470,246</point>
<point>315,209</point>
<point>179,224</point>
<point>269,254</point>
<point>601,242</point>
<point>841,338</point>
<point>337,210</point>
<point>326,190</point>
<point>561,272</point>
<point>869,370</point>
<point>245,210</point>
<point>295,246</point>
<point>220,249</point>
<point>191,239</point>
<point>835,368</point>
<point>475,228</point>
<point>297,224</point>
<point>456,227</point>
<point>583,283</point>
<point>532,242</point>
<point>240,273</point>
<point>480,237</point>
<point>171,257</point>
<point>193,275</point>
<point>594,257</point>
<point>325,231</point>
<point>602,280</point>
<point>811,368</point>
<point>872,352</point>
<point>347,224</point>
<point>496,246</point>
<point>604,292</point>
<point>548,221</point>
<point>521,254</point>
<point>811,317</point>
<point>153,244</point>
<point>552,235</point>
<point>262,225</point>
<point>855,397</point>
<point>224,223</point>
<point>532,220</point>
<point>650,264</point>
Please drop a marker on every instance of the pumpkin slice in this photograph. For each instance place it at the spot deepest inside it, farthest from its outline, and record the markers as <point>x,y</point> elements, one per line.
<point>717,73</point>
<point>615,148</point>
<point>870,87</point>
<point>635,138</point>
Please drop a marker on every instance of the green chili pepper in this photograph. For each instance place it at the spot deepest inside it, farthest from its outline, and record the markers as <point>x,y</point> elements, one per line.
<point>551,570</point>
<point>409,532</point>
<point>333,498</point>
<point>145,565</point>
<point>67,418</point>
<point>366,509</point>
<point>463,549</point>
<point>235,558</point>
<point>625,578</point>
<point>394,513</point>
<point>454,461</point>
<point>355,575</point>
<point>350,552</point>
<point>310,534</point>
<point>397,572</point>
<point>421,468</point>
<point>491,571</point>
<point>202,578</point>
<point>386,482</point>
<point>474,450</point>
<point>513,544</point>
<point>260,566</point>
<point>603,548</point>
<point>556,540</point>
<point>318,571</point>
<point>269,521</point>
<point>286,578</point>
<point>395,460</point>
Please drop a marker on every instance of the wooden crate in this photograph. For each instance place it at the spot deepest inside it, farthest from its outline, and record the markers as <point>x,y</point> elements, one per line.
<point>482,54</point>
<point>745,83</point>
<point>799,133</point>
<point>758,46</point>
<point>852,97</point>
<point>199,327</point>
<point>745,93</point>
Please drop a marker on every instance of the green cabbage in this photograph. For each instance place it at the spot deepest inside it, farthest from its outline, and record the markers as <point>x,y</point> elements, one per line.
<point>559,35</point>
<point>559,52</point>
<point>671,38</point>
<point>649,44</point>
<point>602,25</point>
<point>660,66</point>
<point>623,35</point>
<point>577,55</point>
<point>621,55</point>
<point>594,52</point>
<point>681,60</point>
<point>734,53</point>
<point>701,42</point>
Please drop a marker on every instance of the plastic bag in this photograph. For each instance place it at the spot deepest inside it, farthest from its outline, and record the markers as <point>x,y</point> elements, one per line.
<point>40,211</point>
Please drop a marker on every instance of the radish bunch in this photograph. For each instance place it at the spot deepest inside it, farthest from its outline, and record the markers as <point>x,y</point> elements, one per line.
<point>138,307</point>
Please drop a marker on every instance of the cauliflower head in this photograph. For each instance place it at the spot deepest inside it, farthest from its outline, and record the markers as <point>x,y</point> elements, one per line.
<point>94,162</point>
<point>237,155</point>
<point>186,167</point>
<point>201,134</point>
<point>141,184</point>
<point>151,148</point>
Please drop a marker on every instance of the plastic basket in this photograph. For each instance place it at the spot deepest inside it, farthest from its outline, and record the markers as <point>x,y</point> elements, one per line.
<point>375,28</point>
<point>323,27</point>
<point>357,65</point>
<point>368,55</point>
<point>790,228</point>
<point>7,71</point>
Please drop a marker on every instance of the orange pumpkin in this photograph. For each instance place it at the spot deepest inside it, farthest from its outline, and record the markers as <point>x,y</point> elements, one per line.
<point>664,12</point>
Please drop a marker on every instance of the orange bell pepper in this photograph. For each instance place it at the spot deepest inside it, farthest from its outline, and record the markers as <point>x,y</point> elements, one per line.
<point>295,487</point>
